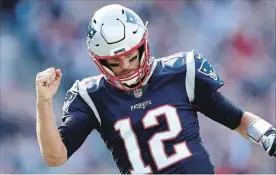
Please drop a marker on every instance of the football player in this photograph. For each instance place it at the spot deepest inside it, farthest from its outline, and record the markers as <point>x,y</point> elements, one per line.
<point>143,107</point>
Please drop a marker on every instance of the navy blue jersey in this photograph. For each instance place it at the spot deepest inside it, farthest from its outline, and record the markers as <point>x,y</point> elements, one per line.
<point>153,129</point>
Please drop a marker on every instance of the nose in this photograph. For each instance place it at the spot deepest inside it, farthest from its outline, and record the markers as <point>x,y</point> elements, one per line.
<point>125,64</point>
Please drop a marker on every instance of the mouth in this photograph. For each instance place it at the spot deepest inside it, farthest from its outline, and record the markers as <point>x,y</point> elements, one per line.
<point>125,73</point>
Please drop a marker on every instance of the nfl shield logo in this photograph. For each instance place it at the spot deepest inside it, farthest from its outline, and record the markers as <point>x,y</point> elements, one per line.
<point>138,93</point>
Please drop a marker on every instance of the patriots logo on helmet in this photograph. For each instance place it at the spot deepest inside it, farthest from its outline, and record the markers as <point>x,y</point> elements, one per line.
<point>131,18</point>
<point>207,69</point>
<point>91,31</point>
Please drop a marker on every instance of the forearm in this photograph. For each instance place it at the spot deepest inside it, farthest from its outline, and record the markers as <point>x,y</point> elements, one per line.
<point>52,148</point>
<point>258,131</point>
<point>253,127</point>
<point>250,126</point>
<point>246,119</point>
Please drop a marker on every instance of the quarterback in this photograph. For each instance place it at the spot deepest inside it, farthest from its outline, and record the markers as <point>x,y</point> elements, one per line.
<point>144,108</point>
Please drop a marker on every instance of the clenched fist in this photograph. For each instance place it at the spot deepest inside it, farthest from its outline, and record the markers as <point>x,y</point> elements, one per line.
<point>47,83</point>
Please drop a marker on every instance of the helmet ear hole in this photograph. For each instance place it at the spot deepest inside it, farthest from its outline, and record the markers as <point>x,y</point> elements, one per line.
<point>141,50</point>
<point>104,63</point>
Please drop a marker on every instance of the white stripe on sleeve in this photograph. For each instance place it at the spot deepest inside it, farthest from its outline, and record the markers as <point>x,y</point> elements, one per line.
<point>84,94</point>
<point>190,75</point>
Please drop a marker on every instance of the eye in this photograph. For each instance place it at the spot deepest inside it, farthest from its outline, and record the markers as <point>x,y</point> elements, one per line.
<point>113,64</point>
<point>133,58</point>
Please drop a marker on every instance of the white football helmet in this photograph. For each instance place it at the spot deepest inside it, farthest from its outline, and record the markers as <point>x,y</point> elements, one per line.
<point>115,31</point>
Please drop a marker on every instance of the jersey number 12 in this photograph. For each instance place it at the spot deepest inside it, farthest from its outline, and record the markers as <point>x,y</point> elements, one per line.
<point>156,143</point>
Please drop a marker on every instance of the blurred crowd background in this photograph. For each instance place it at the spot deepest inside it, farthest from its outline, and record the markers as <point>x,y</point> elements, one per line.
<point>237,36</point>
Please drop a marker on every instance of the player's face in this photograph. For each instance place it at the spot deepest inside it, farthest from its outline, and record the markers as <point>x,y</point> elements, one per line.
<point>125,65</point>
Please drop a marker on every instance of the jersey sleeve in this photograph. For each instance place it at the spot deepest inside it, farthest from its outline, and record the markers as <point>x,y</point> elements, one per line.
<point>220,109</point>
<point>78,120</point>
<point>204,95</point>
<point>201,76</point>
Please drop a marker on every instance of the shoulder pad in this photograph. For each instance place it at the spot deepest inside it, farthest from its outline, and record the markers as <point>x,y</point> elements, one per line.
<point>174,56</point>
<point>200,75</point>
<point>71,94</point>
<point>176,60</point>
<point>81,90</point>
<point>92,84</point>
<point>204,67</point>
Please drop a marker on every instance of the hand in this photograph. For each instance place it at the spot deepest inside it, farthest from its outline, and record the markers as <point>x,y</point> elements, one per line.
<point>47,83</point>
<point>269,142</point>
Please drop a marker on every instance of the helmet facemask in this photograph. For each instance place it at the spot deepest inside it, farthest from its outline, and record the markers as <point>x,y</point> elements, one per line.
<point>134,80</point>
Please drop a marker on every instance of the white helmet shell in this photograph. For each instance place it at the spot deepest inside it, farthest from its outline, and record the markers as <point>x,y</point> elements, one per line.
<point>114,29</point>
